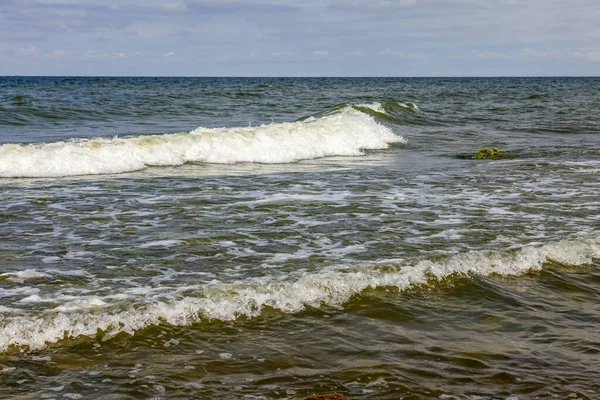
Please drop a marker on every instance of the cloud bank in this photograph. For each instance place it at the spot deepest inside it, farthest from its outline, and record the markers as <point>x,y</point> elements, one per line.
<point>299,38</point>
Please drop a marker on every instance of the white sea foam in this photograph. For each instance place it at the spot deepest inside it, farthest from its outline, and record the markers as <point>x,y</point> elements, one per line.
<point>22,276</point>
<point>377,107</point>
<point>344,133</point>
<point>81,304</point>
<point>161,243</point>
<point>34,298</point>
<point>410,105</point>
<point>330,287</point>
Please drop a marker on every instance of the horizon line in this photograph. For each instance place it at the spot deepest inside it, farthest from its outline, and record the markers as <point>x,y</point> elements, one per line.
<point>302,76</point>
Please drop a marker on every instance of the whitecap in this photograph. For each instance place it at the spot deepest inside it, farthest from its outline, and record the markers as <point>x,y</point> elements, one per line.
<point>332,287</point>
<point>347,132</point>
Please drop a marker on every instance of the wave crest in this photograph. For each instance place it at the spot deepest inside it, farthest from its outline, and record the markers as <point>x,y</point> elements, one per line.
<point>228,302</point>
<point>347,132</point>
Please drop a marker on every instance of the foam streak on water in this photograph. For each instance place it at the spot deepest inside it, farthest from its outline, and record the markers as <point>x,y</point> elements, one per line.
<point>332,287</point>
<point>345,133</point>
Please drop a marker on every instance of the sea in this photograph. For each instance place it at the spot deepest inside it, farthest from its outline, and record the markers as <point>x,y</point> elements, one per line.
<point>276,238</point>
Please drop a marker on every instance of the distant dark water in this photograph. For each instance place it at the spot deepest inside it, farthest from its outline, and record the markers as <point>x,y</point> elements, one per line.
<point>275,238</point>
<point>52,108</point>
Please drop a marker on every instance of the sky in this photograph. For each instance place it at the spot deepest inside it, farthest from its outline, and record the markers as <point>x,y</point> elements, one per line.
<point>300,38</point>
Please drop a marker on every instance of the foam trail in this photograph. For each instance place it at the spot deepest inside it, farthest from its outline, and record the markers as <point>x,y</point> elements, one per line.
<point>377,107</point>
<point>344,133</point>
<point>331,287</point>
<point>409,105</point>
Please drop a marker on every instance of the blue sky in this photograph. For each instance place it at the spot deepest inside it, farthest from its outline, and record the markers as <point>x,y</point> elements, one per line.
<point>300,38</point>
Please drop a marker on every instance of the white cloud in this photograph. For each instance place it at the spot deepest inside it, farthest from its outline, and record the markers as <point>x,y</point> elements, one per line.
<point>587,55</point>
<point>594,55</point>
<point>97,55</point>
<point>321,53</point>
<point>169,54</point>
<point>491,55</point>
<point>15,51</point>
<point>564,53</point>
<point>401,54</point>
<point>178,6</point>
<point>60,53</point>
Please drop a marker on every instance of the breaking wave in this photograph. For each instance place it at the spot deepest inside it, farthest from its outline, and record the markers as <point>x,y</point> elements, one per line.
<point>345,132</point>
<point>226,302</point>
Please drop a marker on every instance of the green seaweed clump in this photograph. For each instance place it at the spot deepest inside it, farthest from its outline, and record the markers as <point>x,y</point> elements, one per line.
<point>487,153</point>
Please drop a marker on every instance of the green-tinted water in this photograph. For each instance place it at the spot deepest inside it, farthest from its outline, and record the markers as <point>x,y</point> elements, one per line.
<point>358,250</point>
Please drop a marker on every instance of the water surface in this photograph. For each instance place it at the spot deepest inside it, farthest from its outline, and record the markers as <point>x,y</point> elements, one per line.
<point>275,238</point>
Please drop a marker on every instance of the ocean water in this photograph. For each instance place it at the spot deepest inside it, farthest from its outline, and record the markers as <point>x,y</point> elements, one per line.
<point>259,238</point>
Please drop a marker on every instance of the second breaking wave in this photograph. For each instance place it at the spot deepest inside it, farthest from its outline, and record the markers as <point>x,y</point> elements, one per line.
<point>332,287</point>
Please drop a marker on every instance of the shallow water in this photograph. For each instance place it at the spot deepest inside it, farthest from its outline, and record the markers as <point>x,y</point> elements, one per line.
<point>314,235</point>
